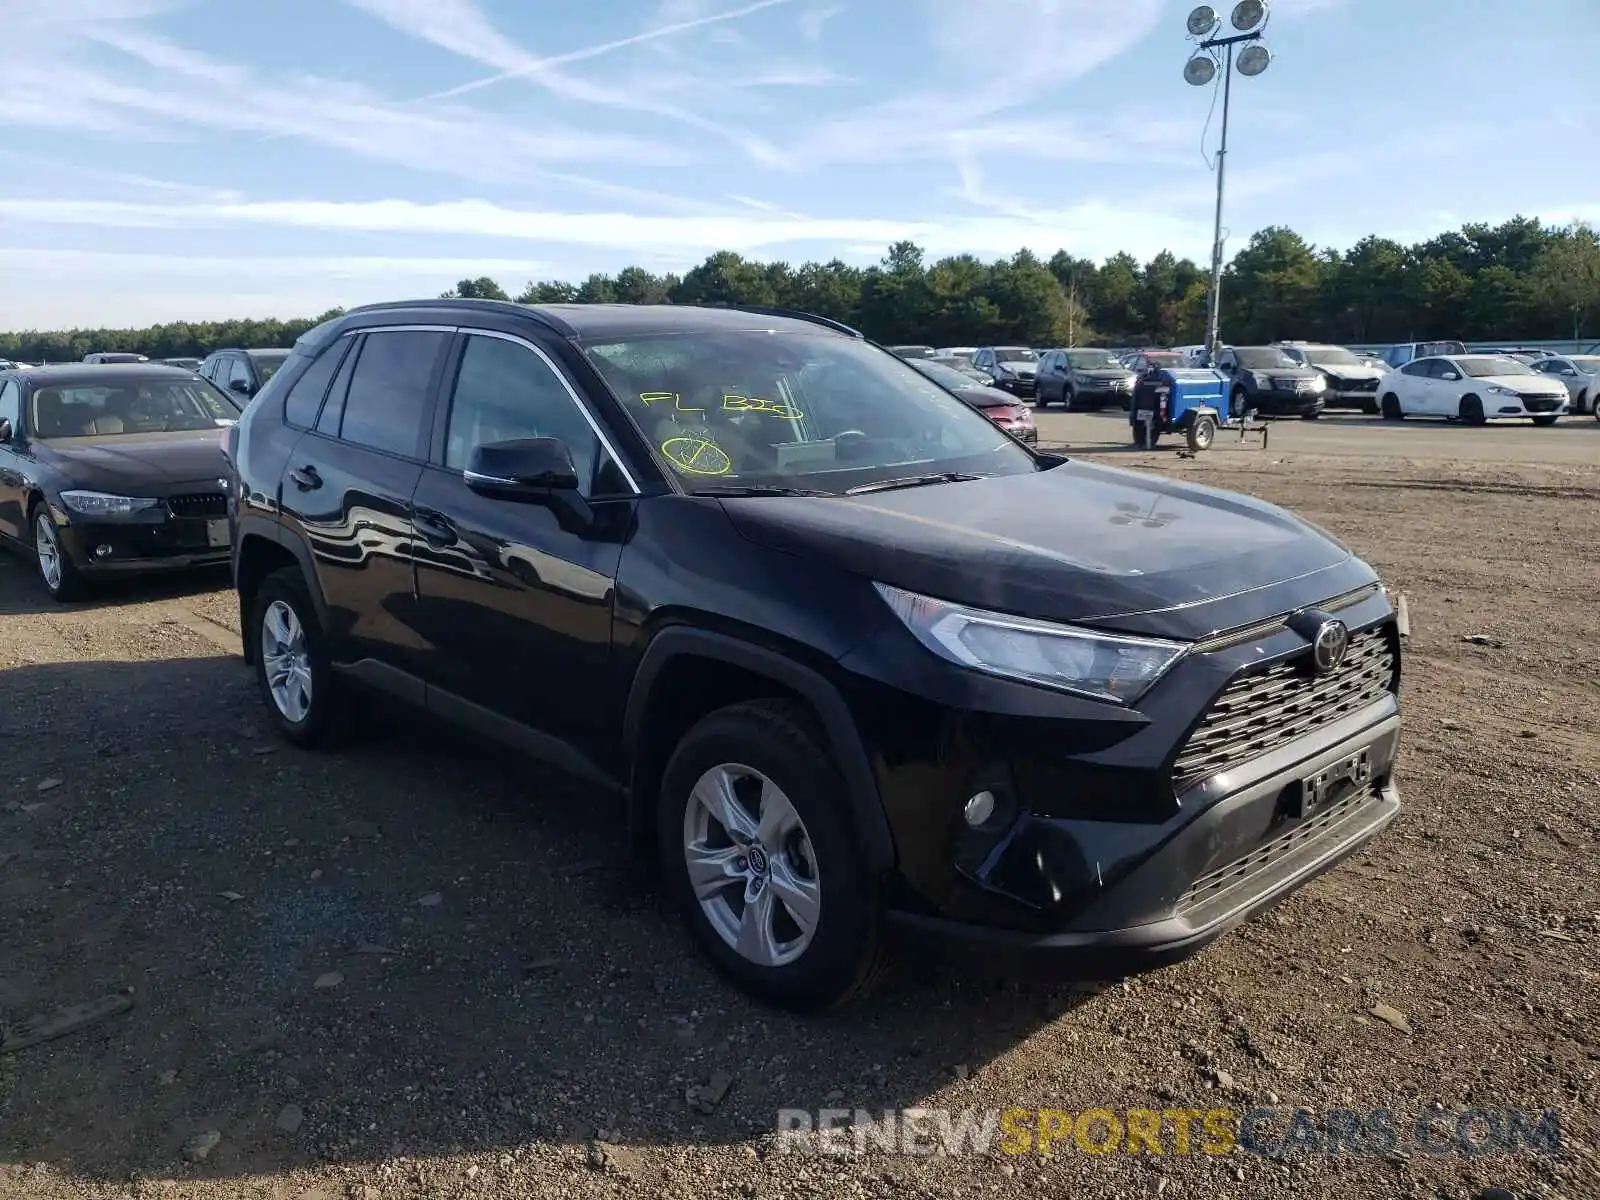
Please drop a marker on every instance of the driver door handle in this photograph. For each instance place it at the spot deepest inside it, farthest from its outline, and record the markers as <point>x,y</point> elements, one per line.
<point>436,528</point>
<point>306,478</point>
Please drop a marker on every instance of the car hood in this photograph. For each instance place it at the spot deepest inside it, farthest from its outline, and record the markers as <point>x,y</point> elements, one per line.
<point>1083,543</point>
<point>1353,372</point>
<point>1102,372</point>
<point>985,397</point>
<point>141,460</point>
<point>1534,385</point>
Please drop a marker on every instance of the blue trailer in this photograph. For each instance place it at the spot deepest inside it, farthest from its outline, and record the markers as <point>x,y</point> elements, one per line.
<point>1192,401</point>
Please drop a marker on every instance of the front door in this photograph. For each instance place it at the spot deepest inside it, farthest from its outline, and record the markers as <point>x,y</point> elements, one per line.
<point>348,486</point>
<point>13,482</point>
<point>515,604</point>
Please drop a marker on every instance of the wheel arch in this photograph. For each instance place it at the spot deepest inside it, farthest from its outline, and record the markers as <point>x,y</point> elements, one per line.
<point>262,549</point>
<point>687,673</point>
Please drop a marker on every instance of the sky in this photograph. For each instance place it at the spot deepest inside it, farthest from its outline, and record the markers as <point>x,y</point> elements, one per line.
<point>199,159</point>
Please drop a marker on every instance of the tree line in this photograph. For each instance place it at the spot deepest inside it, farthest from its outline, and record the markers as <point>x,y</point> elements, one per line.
<point>1520,280</point>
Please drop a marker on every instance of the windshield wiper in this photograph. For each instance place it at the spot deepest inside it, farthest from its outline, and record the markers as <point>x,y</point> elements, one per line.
<point>910,481</point>
<point>755,489</point>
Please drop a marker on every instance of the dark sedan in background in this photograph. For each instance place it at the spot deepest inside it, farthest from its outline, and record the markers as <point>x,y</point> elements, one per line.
<point>1004,409</point>
<point>111,469</point>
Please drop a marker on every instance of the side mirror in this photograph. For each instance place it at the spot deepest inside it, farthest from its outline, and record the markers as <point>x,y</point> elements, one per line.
<point>242,386</point>
<point>5,430</point>
<point>525,469</point>
<point>1451,376</point>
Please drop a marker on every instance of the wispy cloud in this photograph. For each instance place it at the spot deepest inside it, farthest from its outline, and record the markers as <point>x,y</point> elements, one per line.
<point>1087,227</point>
<point>813,21</point>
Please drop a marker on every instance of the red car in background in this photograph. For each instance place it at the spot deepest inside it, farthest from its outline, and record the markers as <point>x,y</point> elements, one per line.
<point>1004,409</point>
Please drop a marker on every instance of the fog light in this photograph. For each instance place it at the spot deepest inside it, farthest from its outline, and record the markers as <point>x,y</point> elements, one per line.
<point>979,809</point>
<point>102,551</point>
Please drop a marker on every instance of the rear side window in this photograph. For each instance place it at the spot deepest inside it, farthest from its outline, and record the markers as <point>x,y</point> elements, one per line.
<point>305,398</point>
<point>388,392</point>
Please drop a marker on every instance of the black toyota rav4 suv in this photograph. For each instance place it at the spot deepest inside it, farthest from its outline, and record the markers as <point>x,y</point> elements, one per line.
<point>860,666</point>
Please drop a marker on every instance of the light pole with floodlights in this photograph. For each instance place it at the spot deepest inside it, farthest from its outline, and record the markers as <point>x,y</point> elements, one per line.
<point>1249,18</point>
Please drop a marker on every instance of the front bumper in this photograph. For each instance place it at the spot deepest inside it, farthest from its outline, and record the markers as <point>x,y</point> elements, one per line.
<point>1351,397</point>
<point>1017,385</point>
<point>1096,395</point>
<point>1285,404</point>
<point>1203,897</point>
<point>1513,406</point>
<point>167,544</point>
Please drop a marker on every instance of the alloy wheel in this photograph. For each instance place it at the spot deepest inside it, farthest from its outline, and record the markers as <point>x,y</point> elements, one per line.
<point>48,550</point>
<point>286,660</point>
<point>751,865</point>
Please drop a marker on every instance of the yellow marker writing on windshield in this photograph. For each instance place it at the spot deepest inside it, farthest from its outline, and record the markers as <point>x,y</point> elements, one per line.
<point>696,456</point>
<point>677,400</point>
<point>784,412</point>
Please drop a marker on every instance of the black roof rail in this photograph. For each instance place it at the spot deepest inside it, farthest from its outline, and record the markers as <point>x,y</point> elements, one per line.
<point>526,310</point>
<point>794,314</point>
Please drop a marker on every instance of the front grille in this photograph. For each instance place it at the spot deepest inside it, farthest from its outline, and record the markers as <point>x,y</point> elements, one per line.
<point>1540,403</point>
<point>1257,713</point>
<point>1357,385</point>
<point>1248,869</point>
<point>198,504</point>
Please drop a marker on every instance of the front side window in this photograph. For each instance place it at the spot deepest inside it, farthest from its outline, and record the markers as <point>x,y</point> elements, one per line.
<point>505,392</point>
<point>136,406</point>
<point>238,372</point>
<point>11,404</point>
<point>388,392</point>
<point>795,410</point>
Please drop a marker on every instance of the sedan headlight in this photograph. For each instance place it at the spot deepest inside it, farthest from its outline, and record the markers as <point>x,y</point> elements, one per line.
<point>1319,383</point>
<point>1104,666</point>
<point>1502,391</point>
<point>101,504</point>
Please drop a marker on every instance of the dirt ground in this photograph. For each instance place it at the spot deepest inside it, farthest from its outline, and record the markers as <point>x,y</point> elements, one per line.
<point>423,968</point>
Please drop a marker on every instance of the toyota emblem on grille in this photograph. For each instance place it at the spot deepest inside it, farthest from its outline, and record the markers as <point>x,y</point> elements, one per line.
<point>1328,648</point>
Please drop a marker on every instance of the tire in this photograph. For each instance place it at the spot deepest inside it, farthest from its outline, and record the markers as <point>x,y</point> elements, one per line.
<point>1237,403</point>
<point>57,571</point>
<point>765,752</point>
<point>1202,432</point>
<point>1390,408</point>
<point>1472,411</point>
<point>313,708</point>
<point>1546,420</point>
<point>1370,407</point>
<point>1069,398</point>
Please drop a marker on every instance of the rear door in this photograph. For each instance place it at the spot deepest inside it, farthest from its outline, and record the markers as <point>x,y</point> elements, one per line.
<point>1411,385</point>
<point>515,604</point>
<point>348,485</point>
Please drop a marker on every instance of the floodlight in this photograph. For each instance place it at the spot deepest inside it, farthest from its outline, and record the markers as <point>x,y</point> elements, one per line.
<point>1199,70</point>
<point>1247,14</point>
<point>1203,20</point>
<point>1254,59</point>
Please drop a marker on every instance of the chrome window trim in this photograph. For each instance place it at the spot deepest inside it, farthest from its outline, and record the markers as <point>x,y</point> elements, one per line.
<point>572,394</point>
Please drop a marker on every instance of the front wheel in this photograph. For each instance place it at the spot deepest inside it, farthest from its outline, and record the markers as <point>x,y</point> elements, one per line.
<point>1546,420</point>
<point>758,851</point>
<point>57,571</point>
<point>1472,411</point>
<point>1391,409</point>
<point>1202,432</point>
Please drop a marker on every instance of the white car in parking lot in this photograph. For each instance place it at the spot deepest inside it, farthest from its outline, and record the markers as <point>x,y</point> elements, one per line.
<point>1473,388</point>
<point>1580,374</point>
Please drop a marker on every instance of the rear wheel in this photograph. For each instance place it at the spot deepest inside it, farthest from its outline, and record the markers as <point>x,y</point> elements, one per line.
<point>307,701</point>
<point>1390,408</point>
<point>1472,411</point>
<point>758,851</point>
<point>1202,432</point>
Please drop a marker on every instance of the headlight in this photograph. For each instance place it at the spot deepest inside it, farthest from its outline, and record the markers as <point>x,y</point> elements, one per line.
<point>1102,665</point>
<point>100,504</point>
<point>1502,391</point>
<point>1319,384</point>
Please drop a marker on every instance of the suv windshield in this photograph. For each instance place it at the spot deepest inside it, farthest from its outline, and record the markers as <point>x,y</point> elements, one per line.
<point>819,412</point>
<point>1014,354</point>
<point>267,364</point>
<point>1481,368</point>
<point>127,407</point>
<point>1093,360</point>
<point>1261,358</point>
<point>1332,357</point>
